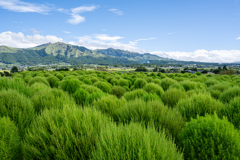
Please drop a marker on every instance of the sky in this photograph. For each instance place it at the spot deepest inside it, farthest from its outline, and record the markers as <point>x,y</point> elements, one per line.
<point>190,30</point>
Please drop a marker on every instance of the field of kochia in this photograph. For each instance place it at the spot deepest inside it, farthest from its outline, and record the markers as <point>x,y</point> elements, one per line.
<point>119,116</point>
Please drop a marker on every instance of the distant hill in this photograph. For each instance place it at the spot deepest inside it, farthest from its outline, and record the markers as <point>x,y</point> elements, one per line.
<point>61,52</point>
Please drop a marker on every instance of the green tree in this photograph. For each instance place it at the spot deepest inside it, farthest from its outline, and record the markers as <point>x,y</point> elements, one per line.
<point>14,69</point>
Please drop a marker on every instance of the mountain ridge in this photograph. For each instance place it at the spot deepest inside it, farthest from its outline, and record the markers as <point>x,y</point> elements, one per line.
<point>63,52</point>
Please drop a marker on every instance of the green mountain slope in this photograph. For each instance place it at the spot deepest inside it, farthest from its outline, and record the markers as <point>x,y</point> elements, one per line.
<point>60,52</point>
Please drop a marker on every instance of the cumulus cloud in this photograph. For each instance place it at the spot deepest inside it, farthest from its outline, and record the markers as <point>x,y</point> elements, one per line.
<point>104,41</point>
<point>219,56</point>
<point>20,40</point>
<point>238,38</point>
<point>19,6</point>
<point>76,18</point>
<point>116,11</point>
<point>35,31</point>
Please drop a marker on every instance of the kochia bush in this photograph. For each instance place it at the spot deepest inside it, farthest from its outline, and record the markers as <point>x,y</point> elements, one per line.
<point>74,133</point>
<point>118,91</point>
<point>166,82</point>
<point>138,93</point>
<point>10,147</point>
<point>38,79</point>
<point>199,104</point>
<point>229,94</point>
<point>232,112</point>
<point>210,138</point>
<point>104,86</point>
<point>134,142</point>
<point>70,85</point>
<point>52,80</point>
<point>172,96</point>
<point>154,89</point>
<point>139,83</point>
<point>18,108</point>
<point>80,96</point>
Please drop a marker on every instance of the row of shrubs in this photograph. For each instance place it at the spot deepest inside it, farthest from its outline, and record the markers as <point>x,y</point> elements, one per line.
<point>101,115</point>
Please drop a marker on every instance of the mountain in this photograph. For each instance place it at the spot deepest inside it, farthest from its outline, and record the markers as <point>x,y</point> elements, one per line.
<point>60,52</point>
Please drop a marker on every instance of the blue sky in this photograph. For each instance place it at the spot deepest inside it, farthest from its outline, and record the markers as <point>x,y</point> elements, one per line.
<point>198,30</point>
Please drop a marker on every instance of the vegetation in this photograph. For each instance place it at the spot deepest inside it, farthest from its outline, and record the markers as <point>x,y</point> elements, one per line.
<point>83,114</point>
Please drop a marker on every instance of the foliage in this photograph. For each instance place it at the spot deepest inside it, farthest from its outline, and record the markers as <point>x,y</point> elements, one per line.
<point>152,112</point>
<point>154,88</point>
<point>118,91</point>
<point>229,94</point>
<point>166,82</point>
<point>134,142</point>
<point>52,80</point>
<point>17,107</point>
<point>74,133</point>
<point>139,83</point>
<point>38,79</point>
<point>232,112</point>
<point>172,96</point>
<point>94,97</point>
<point>199,104</point>
<point>210,138</point>
<point>109,104</point>
<point>138,93</point>
<point>87,81</point>
<point>151,97</point>
<point>70,85</point>
<point>47,98</point>
<point>14,69</point>
<point>80,96</point>
<point>10,147</point>
<point>104,86</point>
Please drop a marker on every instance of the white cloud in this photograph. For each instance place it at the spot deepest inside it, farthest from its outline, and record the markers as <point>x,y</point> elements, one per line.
<point>66,32</point>
<point>35,31</point>
<point>76,18</point>
<point>19,6</point>
<point>170,33</point>
<point>104,41</point>
<point>238,38</point>
<point>221,56</point>
<point>136,41</point>
<point>20,40</point>
<point>116,11</point>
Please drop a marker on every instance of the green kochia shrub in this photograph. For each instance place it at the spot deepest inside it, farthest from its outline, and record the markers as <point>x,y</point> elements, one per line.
<point>18,107</point>
<point>109,104</point>
<point>233,112</point>
<point>138,93</point>
<point>114,81</point>
<point>59,76</point>
<point>229,94</point>
<point>50,98</point>
<point>134,142</point>
<point>94,97</point>
<point>52,80</point>
<point>210,138</point>
<point>156,81</point>
<point>154,113</point>
<point>118,91</point>
<point>172,96</point>
<point>199,104</point>
<point>154,88</point>
<point>123,82</point>
<point>94,79</point>
<point>189,85</point>
<point>166,82</point>
<point>70,85</point>
<point>38,86</point>
<point>70,133</point>
<point>217,89</point>
<point>211,82</point>
<point>151,97</point>
<point>139,83</point>
<point>104,86</point>
<point>38,79</point>
<point>18,85</point>
<point>90,89</point>
<point>87,81</point>
<point>80,96</point>
<point>10,147</point>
